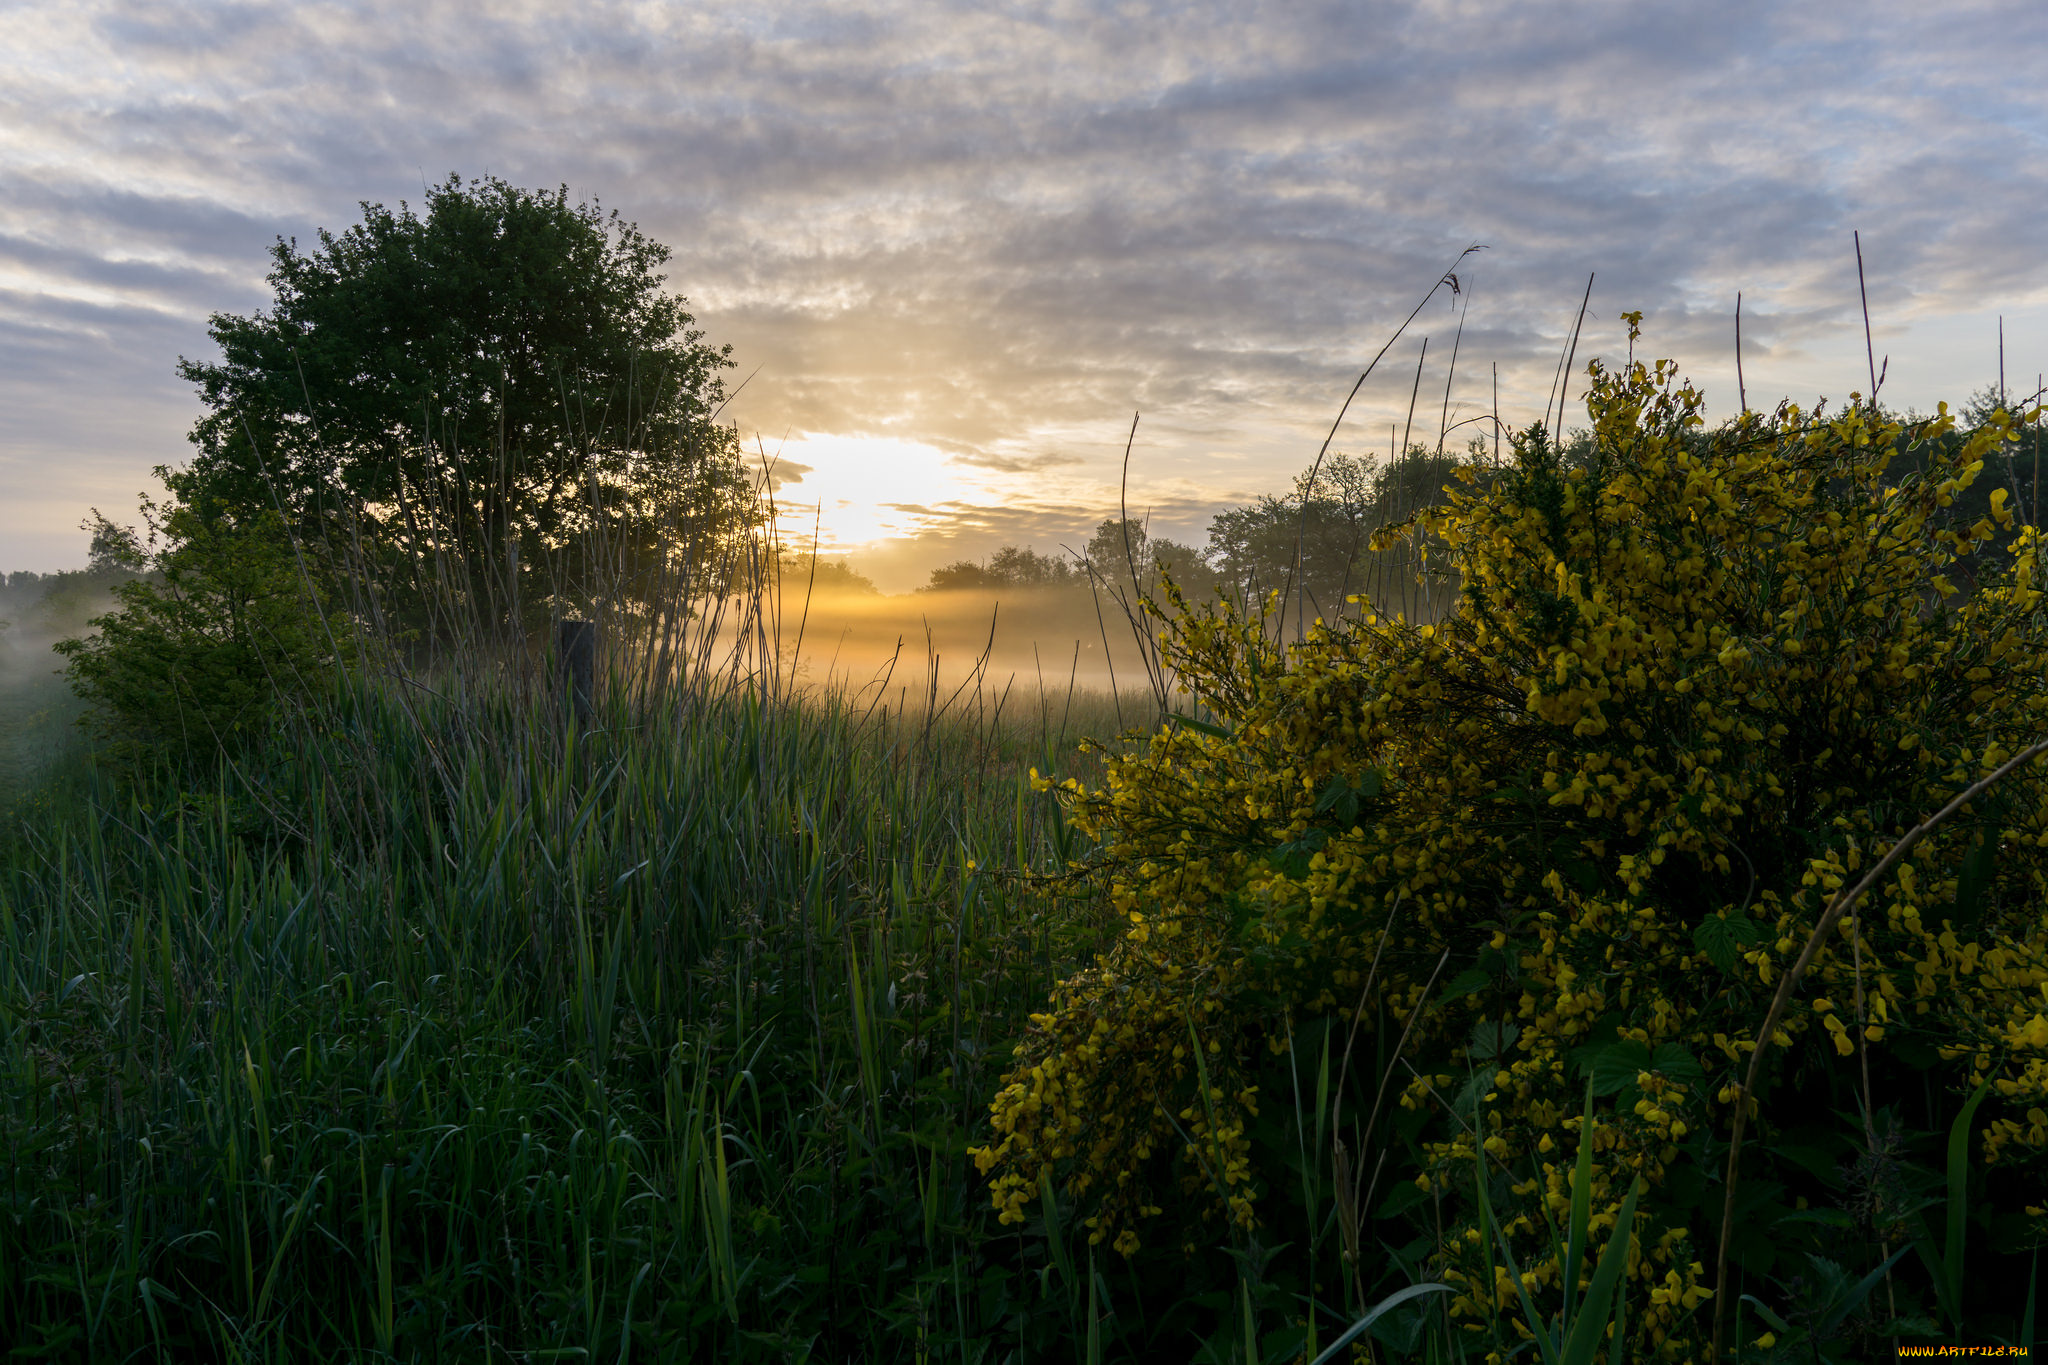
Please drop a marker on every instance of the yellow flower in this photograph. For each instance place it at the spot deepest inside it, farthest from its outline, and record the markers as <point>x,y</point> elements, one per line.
<point>1690,688</point>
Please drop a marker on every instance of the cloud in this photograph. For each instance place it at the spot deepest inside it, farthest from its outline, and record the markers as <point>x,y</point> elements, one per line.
<point>998,230</point>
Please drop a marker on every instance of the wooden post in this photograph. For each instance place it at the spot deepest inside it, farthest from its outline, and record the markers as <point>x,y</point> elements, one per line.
<point>576,665</point>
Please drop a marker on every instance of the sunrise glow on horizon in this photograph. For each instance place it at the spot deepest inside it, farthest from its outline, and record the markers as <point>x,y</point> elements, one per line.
<point>852,492</point>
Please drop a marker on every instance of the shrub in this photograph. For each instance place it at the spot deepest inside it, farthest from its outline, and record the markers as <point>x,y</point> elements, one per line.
<point>1568,838</point>
<point>200,652</point>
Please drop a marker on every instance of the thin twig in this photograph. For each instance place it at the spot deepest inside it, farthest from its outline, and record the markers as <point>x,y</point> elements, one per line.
<point>1344,1066</point>
<point>1148,648</point>
<point>1408,430</point>
<point>1443,421</point>
<point>1400,1052</point>
<point>1741,388</point>
<point>1565,384</point>
<point>1869,347</point>
<point>1496,413</point>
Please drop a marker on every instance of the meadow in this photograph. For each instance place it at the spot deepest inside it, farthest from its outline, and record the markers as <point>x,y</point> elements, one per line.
<point>444,1027</point>
<point>1331,1008</point>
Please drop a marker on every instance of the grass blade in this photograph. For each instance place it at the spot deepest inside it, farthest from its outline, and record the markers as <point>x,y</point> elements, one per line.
<point>1373,1315</point>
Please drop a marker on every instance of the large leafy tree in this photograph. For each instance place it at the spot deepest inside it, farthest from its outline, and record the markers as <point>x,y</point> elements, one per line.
<point>497,386</point>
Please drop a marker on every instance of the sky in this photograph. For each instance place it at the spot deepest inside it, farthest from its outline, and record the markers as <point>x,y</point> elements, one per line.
<point>958,247</point>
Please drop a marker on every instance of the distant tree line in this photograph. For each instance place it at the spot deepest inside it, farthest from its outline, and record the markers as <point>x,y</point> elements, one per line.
<point>1121,552</point>
<point>804,571</point>
<point>61,601</point>
<point>1315,544</point>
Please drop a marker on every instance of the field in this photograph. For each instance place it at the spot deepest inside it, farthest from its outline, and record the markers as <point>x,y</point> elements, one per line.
<point>1334,1009</point>
<point>449,1031</point>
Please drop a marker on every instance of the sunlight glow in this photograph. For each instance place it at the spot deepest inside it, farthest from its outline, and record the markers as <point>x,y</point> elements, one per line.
<point>861,489</point>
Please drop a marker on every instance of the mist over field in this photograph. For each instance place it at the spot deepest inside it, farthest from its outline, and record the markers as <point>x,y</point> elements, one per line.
<point>1029,641</point>
<point>1062,660</point>
<point>37,706</point>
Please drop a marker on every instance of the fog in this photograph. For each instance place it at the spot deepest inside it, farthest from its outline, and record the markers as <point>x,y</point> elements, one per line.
<point>1063,660</point>
<point>37,708</point>
<point>1067,661</point>
<point>1046,638</point>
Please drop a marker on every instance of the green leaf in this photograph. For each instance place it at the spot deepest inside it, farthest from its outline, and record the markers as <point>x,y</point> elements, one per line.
<point>1616,1066</point>
<point>1589,1332</point>
<point>1373,1315</point>
<point>1582,1194</point>
<point>1721,939</point>
<point>1849,1302</point>
<point>1404,1196</point>
<point>1471,981</point>
<point>1491,1039</point>
<point>1974,877</point>
<point>1278,1348</point>
<point>1465,1104</point>
<point>1341,796</point>
<point>1674,1063</point>
<point>1777,1324</point>
<point>1055,1239</point>
<point>1827,1218</point>
<point>1292,859</point>
<point>1338,796</point>
<point>1958,1193</point>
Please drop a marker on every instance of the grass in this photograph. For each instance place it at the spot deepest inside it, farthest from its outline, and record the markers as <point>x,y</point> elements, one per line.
<point>438,1031</point>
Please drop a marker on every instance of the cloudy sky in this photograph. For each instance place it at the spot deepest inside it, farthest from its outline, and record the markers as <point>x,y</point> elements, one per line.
<point>962,245</point>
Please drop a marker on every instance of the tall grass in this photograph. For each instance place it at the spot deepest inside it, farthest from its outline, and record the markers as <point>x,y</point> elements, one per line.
<point>441,1030</point>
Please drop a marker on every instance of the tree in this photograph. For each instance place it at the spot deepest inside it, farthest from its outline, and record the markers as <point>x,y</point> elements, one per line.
<point>1330,521</point>
<point>1254,546</point>
<point>115,550</point>
<point>1008,568</point>
<point>498,386</point>
<point>1185,565</point>
<point>1116,552</point>
<point>962,575</point>
<point>803,572</point>
<point>1023,567</point>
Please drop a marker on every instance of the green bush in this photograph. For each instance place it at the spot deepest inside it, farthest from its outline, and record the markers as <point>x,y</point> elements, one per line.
<point>204,649</point>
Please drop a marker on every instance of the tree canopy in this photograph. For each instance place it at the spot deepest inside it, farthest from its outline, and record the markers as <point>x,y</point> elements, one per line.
<point>499,382</point>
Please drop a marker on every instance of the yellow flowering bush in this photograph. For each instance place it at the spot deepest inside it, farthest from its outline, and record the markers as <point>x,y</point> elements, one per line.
<point>1569,836</point>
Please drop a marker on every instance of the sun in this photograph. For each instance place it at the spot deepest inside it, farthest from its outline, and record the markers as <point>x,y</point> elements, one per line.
<point>857,490</point>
